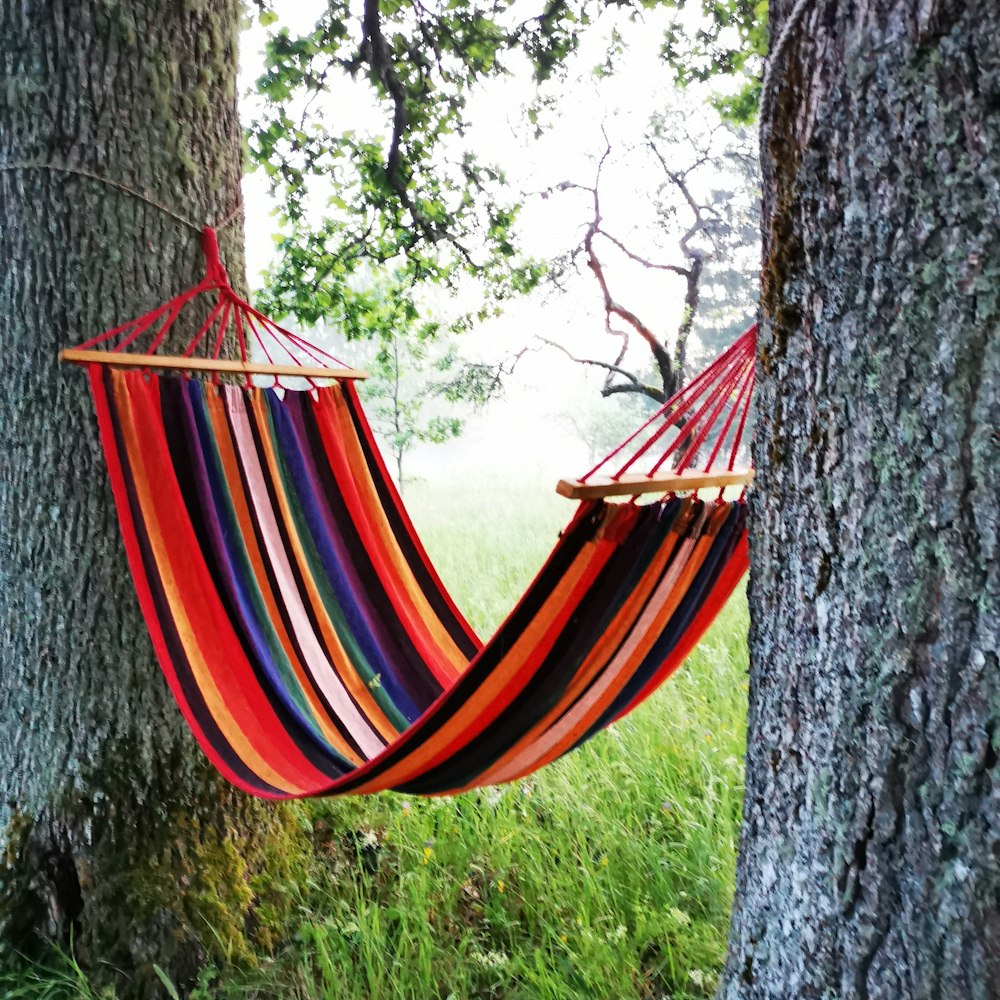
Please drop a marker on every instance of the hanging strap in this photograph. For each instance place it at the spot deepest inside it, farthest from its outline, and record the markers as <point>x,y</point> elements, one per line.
<point>706,417</point>
<point>287,353</point>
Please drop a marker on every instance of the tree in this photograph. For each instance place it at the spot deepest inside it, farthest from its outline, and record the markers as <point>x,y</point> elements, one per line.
<point>116,833</point>
<point>410,365</point>
<point>708,270</point>
<point>870,857</point>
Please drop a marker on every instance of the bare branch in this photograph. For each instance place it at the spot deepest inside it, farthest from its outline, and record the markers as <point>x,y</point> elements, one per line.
<point>680,182</point>
<point>610,388</point>
<point>673,268</point>
<point>645,390</point>
<point>613,308</point>
<point>613,369</point>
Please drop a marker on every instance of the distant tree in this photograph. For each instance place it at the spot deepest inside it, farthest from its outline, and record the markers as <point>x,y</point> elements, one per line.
<point>419,387</point>
<point>602,427</point>
<point>406,381</point>
<point>704,237</point>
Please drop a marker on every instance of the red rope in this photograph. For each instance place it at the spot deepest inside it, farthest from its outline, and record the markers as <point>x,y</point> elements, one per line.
<point>731,360</point>
<point>745,378</point>
<point>228,312</point>
<point>693,426</point>
<point>691,416</point>
<point>722,395</point>
<point>676,403</point>
<point>738,439</point>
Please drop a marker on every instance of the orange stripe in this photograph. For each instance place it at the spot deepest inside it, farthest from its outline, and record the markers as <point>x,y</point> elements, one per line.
<point>499,688</point>
<point>234,481</point>
<point>355,685</point>
<point>722,590</point>
<point>212,630</point>
<point>599,657</point>
<point>590,708</point>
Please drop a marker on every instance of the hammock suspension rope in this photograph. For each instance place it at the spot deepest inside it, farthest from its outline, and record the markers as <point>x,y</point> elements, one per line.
<point>303,630</point>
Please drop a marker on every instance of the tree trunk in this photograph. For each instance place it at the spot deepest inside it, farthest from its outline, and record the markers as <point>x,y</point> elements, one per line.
<point>113,828</point>
<point>870,856</point>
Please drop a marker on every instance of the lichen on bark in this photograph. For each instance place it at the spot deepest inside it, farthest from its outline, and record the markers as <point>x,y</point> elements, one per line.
<point>870,854</point>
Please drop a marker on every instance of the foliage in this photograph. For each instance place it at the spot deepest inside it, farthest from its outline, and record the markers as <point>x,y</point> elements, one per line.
<point>411,190</point>
<point>607,875</point>
<point>407,377</point>
<point>731,41</point>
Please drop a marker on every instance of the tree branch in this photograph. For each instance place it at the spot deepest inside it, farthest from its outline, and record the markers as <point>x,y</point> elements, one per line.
<point>613,369</point>
<point>375,52</point>
<point>646,390</point>
<point>613,308</point>
<point>673,268</point>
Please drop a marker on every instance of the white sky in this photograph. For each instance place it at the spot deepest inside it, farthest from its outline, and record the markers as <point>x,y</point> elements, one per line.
<point>505,436</point>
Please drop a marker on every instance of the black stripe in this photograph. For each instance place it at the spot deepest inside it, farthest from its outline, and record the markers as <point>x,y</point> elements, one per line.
<point>175,649</point>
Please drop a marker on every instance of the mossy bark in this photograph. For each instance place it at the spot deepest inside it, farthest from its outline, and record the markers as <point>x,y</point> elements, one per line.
<point>870,858</point>
<point>114,830</point>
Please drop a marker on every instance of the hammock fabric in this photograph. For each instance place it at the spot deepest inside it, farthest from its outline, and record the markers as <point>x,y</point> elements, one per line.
<point>309,643</point>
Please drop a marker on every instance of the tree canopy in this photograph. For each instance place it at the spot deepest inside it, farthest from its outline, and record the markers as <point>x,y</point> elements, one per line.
<point>412,190</point>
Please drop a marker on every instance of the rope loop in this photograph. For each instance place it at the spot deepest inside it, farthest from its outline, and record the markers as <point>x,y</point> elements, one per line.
<point>123,189</point>
<point>215,272</point>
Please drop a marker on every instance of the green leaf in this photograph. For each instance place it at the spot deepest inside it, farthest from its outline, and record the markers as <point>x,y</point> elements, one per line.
<point>167,984</point>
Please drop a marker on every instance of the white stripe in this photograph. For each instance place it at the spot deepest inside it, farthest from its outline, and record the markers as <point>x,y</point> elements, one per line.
<point>315,655</point>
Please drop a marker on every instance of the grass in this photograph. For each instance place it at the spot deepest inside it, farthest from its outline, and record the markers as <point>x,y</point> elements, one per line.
<point>607,875</point>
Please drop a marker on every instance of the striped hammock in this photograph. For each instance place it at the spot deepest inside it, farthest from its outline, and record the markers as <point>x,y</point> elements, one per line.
<point>303,631</point>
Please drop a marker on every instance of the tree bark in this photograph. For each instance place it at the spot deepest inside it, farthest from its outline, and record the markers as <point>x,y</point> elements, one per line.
<point>870,856</point>
<point>113,828</point>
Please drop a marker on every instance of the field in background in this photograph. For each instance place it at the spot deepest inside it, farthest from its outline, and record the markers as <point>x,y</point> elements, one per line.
<point>488,539</point>
<point>607,875</point>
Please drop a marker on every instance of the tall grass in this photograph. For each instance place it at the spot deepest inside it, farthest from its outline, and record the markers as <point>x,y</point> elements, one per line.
<point>607,875</point>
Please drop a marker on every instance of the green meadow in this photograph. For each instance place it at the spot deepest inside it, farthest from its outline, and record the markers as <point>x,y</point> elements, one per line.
<point>607,875</point>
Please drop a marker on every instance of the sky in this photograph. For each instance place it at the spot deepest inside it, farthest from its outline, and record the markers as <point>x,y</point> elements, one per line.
<point>548,391</point>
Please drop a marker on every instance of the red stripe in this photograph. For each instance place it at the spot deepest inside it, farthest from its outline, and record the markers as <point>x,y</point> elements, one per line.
<point>213,632</point>
<point>142,587</point>
<point>731,575</point>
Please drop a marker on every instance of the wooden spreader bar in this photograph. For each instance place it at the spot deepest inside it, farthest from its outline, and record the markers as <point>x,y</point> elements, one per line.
<point>632,484</point>
<point>220,366</point>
